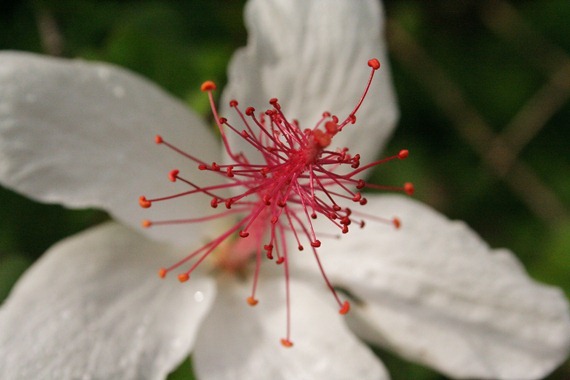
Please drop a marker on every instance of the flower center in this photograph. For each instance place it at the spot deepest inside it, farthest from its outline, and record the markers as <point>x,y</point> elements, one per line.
<point>296,180</point>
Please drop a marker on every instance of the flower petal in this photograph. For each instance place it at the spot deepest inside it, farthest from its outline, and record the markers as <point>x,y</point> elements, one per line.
<point>437,294</point>
<point>312,55</point>
<point>241,342</point>
<point>93,307</point>
<point>81,134</point>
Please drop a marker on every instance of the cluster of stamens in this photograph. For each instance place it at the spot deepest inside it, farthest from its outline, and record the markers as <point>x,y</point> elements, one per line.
<point>297,180</point>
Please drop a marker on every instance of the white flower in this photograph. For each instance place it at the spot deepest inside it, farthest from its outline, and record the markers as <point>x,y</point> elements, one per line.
<point>78,134</point>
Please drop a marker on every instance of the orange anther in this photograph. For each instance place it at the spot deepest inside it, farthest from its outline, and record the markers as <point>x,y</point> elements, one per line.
<point>396,222</point>
<point>146,223</point>
<point>409,188</point>
<point>183,277</point>
<point>252,301</point>
<point>143,202</point>
<point>158,139</point>
<point>374,63</point>
<point>286,343</point>
<point>345,308</point>
<point>162,272</point>
<point>403,154</point>
<point>331,127</point>
<point>208,86</point>
<point>173,175</point>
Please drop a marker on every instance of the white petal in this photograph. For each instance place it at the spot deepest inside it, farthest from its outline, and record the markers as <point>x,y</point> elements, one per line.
<point>312,55</point>
<point>437,294</point>
<point>242,342</point>
<point>93,307</point>
<point>82,134</point>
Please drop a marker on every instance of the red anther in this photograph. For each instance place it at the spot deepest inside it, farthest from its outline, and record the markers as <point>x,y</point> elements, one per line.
<point>214,202</point>
<point>322,139</point>
<point>162,272</point>
<point>230,171</point>
<point>229,203</point>
<point>268,247</point>
<point>215,167</point>
<point>249,111</point>
<point>269,256</point>
<point>244,134</point>
<point>223,120</point>
<point>300,248</point>
<point>252,301</point>
<point>316,243</point>
<point>208,86</point>
<point>326,114</point>
<point>183,277</point>
<point>409,188</point>
<point>281,203</point>
<point>267,199</point>
<point>362,224</point>
<point>363,201</point>
<point>357,197</point>
<point>243,234</point>
<point>396,222</point>
<point>336,207</point>
<point>313,215</point>
<point>202,167</point>
<point>345,220</point>
<point>280,260</point>
<point>146,223</point>
<point>374,63</point>
<point>233,103</point>
<point>403,154</point>
<point>158,139</point>
<point>143,202</point>
<point>360,184</point>
<point>273,101</point>
<point>334,119</point>
<point>351,118</point>
<point>345,229</point>
<point>345,308</point>
<point>173,175</point>
<point>331,127</point>
<point>286,343</point>
<point>274,219</point>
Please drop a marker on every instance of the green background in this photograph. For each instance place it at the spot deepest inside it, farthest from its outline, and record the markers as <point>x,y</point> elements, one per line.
<point>483,90</point>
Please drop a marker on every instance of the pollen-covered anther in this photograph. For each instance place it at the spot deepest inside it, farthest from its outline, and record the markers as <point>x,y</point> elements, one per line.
<point>286,343</point>
<point>331,127</point>
<point>409,188</point>
<point>146,223</point>
<point>252,301</point>
<point>396,222</point>
<point>173,175</point>
<point>208,86</point>
<point>322,139</point>
<point>374,63</point>
<point>345,308</point>
<point>183,277</point>
<point>404,153</point>
<point>143,202</point>
<point>162,272</point>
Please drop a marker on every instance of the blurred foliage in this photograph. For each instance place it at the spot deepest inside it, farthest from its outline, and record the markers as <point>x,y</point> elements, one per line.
<point>180,44</point>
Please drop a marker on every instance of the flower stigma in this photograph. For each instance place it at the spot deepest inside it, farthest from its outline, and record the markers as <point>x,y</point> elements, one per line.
<point>296,179</point>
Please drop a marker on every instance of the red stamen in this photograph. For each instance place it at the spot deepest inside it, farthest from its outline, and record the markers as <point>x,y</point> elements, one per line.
<point>296,176</point>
